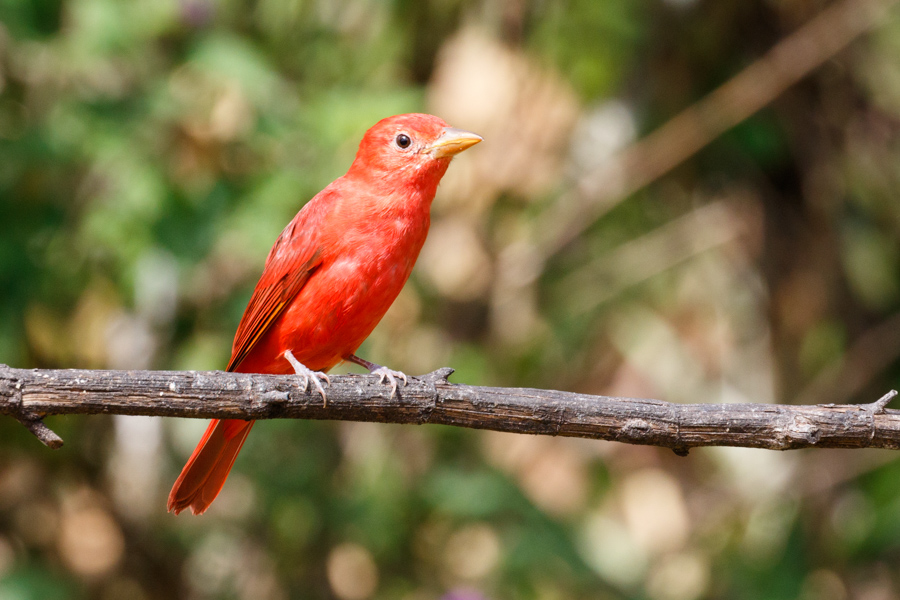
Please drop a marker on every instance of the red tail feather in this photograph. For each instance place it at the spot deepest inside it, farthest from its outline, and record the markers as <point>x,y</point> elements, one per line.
<point>206,470</point>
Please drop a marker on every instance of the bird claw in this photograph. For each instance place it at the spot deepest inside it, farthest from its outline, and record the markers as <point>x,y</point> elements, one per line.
<point>382,372</point>
<point>391,375</point>
<point>306,375</point>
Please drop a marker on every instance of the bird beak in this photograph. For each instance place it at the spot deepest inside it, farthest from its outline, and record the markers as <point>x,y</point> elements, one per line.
<point>452,141</point>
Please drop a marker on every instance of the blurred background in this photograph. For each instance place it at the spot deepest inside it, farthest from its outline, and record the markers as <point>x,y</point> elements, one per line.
<point>600,240</point>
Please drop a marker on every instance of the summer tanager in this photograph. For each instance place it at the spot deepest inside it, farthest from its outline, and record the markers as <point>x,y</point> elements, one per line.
<point>330,277</point>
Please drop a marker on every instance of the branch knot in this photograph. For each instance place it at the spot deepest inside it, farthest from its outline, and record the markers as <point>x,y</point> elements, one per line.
<point>11,388</point>
<point>432,380</point>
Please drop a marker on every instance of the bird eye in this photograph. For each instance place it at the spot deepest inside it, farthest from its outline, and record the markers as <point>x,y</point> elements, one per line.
<point>403,140</point>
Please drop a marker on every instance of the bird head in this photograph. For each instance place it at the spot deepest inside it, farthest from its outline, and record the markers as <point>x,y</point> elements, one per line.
<point>412,147</point>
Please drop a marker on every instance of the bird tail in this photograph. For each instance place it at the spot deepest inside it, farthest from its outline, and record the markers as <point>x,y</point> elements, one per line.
<point>206,470</point>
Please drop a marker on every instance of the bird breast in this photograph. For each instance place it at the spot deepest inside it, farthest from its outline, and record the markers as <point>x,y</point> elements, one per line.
<point>350,292</point>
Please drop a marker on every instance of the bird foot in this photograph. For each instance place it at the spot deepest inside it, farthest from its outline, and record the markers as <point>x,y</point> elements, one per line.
<point>391,375</point>
<point>382,372</point>
<point>307,375</point>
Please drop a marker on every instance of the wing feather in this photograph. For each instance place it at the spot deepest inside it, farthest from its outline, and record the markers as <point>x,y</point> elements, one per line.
<point>293,259</point>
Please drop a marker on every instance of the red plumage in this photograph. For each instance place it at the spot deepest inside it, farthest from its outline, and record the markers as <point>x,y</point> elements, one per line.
<point>331,275</point>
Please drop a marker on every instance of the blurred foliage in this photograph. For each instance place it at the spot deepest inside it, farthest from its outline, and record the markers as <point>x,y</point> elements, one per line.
<point>151,151</point>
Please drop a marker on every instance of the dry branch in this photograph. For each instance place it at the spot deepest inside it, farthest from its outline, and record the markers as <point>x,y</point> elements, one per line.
<point>30,395</point>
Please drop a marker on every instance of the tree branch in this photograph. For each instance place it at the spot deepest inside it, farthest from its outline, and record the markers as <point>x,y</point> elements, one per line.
<point>30,395</point>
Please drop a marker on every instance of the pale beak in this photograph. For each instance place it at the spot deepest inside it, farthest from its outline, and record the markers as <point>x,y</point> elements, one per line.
<point>452,142</point>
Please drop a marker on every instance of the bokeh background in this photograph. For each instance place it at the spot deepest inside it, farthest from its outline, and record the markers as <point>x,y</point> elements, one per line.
<point>152,150</point>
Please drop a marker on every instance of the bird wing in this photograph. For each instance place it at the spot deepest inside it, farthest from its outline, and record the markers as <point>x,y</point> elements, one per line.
<point>293,259</point>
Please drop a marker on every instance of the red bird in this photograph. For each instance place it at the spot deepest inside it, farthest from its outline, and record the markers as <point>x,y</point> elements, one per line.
<point>330,277</point>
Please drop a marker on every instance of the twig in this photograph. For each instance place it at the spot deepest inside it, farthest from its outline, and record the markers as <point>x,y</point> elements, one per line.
<point>432,399</point>
<point>11,393</point>
<point>47,436</point>
<point>879,406</point>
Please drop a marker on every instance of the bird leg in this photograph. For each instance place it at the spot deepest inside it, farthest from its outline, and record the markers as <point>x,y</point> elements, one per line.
<point>306,375</point>
<point>382,372</point>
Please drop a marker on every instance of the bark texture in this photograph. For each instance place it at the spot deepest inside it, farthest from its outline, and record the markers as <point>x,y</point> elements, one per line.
<point>30,395</point>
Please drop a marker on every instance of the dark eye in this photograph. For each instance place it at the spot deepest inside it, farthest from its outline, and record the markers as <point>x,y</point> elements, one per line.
<point>403,140</point>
